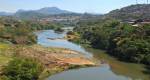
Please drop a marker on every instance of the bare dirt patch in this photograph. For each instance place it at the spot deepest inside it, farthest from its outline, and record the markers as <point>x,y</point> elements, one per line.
<point>54,56</point>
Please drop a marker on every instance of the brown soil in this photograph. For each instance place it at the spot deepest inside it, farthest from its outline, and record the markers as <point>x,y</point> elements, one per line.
<point>52,57</point>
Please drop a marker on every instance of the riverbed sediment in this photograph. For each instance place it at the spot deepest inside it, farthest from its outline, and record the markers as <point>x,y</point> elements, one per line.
<point>55,59</point>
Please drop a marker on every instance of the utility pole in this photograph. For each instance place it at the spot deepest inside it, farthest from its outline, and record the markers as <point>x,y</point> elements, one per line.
<point>147,1</point>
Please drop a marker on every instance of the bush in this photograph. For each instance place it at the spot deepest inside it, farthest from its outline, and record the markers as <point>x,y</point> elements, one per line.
<point>23,69</point>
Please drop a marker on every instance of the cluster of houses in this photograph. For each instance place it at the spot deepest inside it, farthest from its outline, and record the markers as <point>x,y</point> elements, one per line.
<point>137,22</point>
<point>60,19</point>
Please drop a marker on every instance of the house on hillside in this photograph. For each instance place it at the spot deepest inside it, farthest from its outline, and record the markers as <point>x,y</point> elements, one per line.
<point>137,22</point>
<point>146,21</point>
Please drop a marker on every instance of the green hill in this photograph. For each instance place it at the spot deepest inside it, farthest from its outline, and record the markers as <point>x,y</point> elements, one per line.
<point>131,12</point>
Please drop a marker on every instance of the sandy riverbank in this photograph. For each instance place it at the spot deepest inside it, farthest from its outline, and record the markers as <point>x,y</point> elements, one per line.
<point>55,59</point>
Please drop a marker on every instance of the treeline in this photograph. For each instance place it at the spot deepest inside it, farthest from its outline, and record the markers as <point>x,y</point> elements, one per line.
<point>21,32</point>
<point>121,40</point>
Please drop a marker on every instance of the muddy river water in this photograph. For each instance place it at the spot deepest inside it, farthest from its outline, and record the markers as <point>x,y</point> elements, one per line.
<point>113,70</point>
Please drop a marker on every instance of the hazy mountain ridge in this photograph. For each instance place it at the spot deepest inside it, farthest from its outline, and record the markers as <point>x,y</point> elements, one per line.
<point>28,15</point>
<point>52,10</point>
<point>5,13</point>
<point>46,11</point>
<point>138,11</point>
<point>40,13</point>
<point>34,14</point>
<point>131,12</point>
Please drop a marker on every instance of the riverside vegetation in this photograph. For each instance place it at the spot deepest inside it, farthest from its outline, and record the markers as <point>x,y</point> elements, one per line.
<point>21,32</point>
<point>122,40</point>
<point>22,59</point>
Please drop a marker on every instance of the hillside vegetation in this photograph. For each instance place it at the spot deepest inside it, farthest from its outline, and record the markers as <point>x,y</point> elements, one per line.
<point>138,11</point>
<point>21,32</point>
<point>14,34</point>
<point>121,40</point>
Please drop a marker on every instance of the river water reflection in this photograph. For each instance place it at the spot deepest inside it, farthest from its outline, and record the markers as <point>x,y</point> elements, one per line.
<point>114,70</point>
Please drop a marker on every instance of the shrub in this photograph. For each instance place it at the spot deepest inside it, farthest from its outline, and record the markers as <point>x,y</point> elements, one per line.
<point>23,69</point>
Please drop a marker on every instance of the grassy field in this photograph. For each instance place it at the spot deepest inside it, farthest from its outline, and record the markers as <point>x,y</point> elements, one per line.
<point>4,58</point>
<point>3,46</point>
<point>3,49</point>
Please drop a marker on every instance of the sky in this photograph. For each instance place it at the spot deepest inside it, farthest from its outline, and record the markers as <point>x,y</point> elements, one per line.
<point>80,6</point>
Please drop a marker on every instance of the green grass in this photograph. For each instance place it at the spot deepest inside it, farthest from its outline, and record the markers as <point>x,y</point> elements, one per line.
<point>4,60</point>
<point>4,47</point>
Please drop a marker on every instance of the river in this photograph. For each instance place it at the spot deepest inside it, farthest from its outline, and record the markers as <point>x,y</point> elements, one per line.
<point>113,70</point>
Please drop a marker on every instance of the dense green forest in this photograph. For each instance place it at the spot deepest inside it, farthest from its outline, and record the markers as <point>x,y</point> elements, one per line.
<point>121,40</point>
<point>21,32</point>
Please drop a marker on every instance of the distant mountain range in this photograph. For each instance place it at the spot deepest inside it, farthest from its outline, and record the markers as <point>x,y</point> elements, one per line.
<point>45,11</point>
<point>28,14</point>
<point>5,14</point>
<point>130,12</point>
<point>52,10</point>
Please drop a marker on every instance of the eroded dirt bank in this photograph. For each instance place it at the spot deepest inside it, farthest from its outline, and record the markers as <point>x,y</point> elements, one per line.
<point>55,55</point>
<point>55,59</point>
